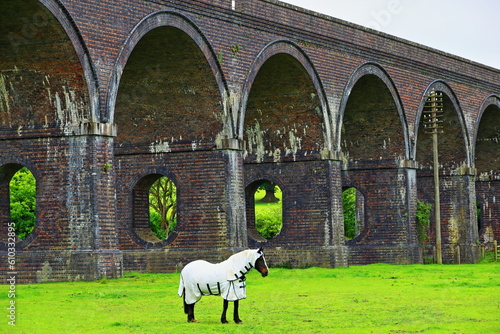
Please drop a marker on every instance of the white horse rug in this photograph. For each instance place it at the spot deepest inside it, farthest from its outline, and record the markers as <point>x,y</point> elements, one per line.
<point>226,279</point>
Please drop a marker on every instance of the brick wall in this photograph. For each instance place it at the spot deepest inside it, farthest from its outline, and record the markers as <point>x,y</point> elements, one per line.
<point>97,95</point>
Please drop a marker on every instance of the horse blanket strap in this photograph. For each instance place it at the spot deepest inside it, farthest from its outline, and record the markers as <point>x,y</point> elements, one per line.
<point>209,289</point>
<point>250,267</point>
<point>229,290</point>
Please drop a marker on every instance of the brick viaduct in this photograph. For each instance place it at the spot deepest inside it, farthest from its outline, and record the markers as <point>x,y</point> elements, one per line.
<point>100,98</point>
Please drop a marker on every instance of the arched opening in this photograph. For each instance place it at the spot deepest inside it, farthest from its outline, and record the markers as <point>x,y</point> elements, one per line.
<point>264,210</point>
<point>488,141</point>
<point>168,98</point>
<point>155,208</point>
<point>457,225</point>
<point>19,207</point>
<point>451,142</point>
<point>487,162</point>
<point>163,207</point>
<point>283,119</point>
<point>23,202</point>
<point>371,127</point>
<point>43,89</point>
<point>353,205</point>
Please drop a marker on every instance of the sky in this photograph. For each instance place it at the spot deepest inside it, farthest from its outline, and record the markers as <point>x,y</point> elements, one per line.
<point>466,28</point>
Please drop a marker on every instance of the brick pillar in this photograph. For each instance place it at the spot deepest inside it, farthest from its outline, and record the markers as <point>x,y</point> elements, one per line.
<point>488,195</point>
<point>91,205</point>
<point>103,198</point>
<point>459,219</point>
<point>6,173</point>
<point>458,214</point>
<point>389,234</point>
<point>334,231</point>
<point>235,193</point>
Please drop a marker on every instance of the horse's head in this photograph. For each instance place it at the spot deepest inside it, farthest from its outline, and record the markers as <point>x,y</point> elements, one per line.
<point>260,263</point>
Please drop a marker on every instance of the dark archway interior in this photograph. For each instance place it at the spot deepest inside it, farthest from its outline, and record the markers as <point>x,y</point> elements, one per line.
<point>168,93</point>
<point>283,118</point>
<point>372,128</point>
<point>488,141</point>
<point>42,86</point>
<point>451,142</point>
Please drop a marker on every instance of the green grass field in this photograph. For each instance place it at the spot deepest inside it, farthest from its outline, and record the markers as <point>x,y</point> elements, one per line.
<point>363,299</point>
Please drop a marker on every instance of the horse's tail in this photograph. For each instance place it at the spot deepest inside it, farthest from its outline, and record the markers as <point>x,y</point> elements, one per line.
<point>181,290</point>
<point>182,293</point>
<point>186,311</point>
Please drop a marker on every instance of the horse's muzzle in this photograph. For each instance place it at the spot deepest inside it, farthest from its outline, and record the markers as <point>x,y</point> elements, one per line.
<point>265,273</point>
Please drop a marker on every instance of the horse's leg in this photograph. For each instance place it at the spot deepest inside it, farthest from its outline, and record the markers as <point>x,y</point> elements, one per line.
<point>224,310</point>
<point>189,310</point>
<point>236,316</point>
<point>191,317</point>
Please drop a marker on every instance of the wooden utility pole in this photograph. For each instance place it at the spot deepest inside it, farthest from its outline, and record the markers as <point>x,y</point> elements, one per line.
<point>433,113</point>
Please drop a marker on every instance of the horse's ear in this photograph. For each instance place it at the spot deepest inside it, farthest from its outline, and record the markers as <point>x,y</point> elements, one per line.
<point>261,250</point>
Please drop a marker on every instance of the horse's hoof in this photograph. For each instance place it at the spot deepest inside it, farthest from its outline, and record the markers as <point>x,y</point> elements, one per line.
<point>193,320</point>
<point>225,322</point>
<point>238,321</point>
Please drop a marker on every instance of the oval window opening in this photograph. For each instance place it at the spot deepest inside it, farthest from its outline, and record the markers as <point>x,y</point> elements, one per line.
<point>162,207</point>
<point>22,193</point>
<point>268,210</point>
<point>352,202</point>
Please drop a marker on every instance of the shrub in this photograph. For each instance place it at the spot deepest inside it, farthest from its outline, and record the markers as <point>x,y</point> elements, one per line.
<point>423,215</point>
<point>349,206</point>
<point>268,221</point>
<point>155,224</point>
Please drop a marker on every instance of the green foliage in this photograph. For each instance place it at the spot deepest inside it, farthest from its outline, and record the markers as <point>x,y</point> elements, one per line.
<point>23,202</point>
<point>268,222</point>
<point>156,225</point>
<point>423,216</point>
<point>163,207</point>
<point>269,186</point>
<point>268,216</point>
<point>235,49</point>
<point>271,189</point>
<point>349,205</point>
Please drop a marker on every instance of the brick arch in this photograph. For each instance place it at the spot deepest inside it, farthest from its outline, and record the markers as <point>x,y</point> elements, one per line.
<point>492,104</point>
<point>376,70</point>
<point>492,100</point>
<point>452,100</point>
<point>293,50</point>
<point>487,162</point>
<point>47,70</point>
<point>148,23</point>
<point>74,34</point>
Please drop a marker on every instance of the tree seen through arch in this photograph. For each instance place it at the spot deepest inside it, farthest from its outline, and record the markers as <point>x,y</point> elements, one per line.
<point>163,207</point>
<point>268,210</point>
<point>352,203</point>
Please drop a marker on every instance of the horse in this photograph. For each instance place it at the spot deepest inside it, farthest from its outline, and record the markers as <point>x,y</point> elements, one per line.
<point>226,279</point>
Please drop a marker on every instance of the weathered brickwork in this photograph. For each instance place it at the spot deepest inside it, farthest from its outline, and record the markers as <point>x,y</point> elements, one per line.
<point>101,98</point>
